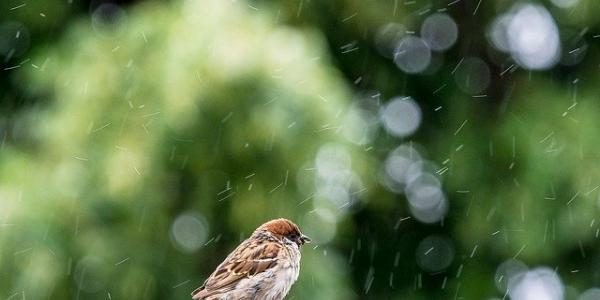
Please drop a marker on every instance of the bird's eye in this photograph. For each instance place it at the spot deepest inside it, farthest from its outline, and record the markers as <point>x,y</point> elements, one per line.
<point>293,236</point>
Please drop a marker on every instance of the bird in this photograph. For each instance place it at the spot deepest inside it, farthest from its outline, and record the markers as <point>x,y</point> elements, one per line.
<point>263,267</point>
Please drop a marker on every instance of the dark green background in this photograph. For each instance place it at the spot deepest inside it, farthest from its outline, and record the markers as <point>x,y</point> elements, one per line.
<point>110,130</point>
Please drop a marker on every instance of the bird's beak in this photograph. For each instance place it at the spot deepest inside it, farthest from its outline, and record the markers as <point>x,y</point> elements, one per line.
<point>305,239</point>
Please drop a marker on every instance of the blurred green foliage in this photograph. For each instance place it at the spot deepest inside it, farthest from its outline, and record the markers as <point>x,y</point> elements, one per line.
<point>112,130</point>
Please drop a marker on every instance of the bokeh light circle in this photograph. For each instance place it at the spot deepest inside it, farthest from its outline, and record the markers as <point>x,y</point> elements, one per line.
<point>425,192</point>
<point>590,294</point>
<point>359,125</point>
<point>426,200</point>
<point>189,231</point>
<point>537,284</point>
<point>565,4</point>
<point>435,253</point>
<point>401,116</point>
<point>439,31</point>
<point>430,216</point>
<point>472,76</point>
<point>398,163</point>
<point>106,19</point>
<point>533,37</point>
<point>333,163</point>
<point>497,32</point>
<point>507,270</point>
<point>412,55</point>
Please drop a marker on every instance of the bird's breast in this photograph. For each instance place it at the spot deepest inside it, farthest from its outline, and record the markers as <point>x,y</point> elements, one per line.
<point>285,276</point>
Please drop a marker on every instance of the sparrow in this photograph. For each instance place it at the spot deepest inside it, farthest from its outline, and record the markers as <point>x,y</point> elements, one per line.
<point>263,267</point>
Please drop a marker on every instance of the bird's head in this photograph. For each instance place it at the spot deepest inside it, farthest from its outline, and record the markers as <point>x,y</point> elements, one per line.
<point>285,229</point>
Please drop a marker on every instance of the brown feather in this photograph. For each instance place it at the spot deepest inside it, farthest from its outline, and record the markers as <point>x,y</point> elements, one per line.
<point>247,259</point>
<point>280,227</point>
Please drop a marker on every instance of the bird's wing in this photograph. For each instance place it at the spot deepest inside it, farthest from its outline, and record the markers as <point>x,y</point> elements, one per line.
<point>248,259</point>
